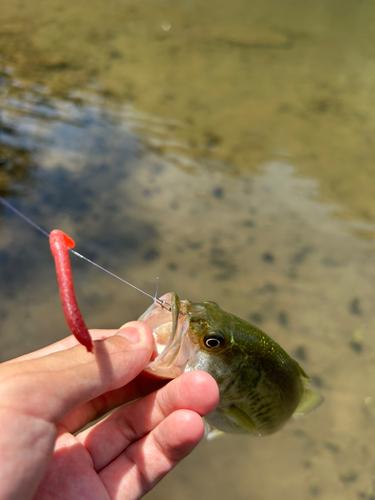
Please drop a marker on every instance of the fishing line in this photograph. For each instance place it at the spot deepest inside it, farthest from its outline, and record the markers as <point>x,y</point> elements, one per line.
<point>20,214</point>
<point>160,302</point>
<point>155,297</point>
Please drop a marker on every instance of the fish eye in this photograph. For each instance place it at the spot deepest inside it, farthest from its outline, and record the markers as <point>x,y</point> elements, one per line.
<point>213,340</point>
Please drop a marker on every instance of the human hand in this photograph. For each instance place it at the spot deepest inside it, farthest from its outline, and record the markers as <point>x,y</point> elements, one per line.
<point>48,395</point>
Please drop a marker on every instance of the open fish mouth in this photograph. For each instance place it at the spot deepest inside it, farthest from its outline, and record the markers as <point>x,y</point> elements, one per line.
<point>174,349</point>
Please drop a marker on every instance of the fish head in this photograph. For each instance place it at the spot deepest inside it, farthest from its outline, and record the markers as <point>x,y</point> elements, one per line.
<point>191,336</point>
<point>222,349</point>
<point>260,385</point>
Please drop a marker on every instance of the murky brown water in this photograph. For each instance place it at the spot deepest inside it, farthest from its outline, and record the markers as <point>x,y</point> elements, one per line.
<point>227,149</point>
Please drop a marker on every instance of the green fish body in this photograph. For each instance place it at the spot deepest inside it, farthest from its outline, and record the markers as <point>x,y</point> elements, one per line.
<point>260,385</point>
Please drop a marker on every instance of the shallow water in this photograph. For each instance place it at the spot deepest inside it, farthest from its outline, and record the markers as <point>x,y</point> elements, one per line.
<point>257,225</point>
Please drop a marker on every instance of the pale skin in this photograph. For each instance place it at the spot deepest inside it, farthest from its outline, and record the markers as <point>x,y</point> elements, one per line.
<point>48,395</point>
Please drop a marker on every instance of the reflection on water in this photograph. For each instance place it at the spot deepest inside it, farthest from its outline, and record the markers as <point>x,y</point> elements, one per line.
<point>261,245</point>
<point>247,78</point>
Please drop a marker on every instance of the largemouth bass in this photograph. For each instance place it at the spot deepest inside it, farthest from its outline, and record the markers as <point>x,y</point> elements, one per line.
<point>260,385</point>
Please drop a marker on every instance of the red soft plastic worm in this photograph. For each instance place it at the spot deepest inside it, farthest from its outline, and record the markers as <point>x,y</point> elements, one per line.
<point>59,243</point>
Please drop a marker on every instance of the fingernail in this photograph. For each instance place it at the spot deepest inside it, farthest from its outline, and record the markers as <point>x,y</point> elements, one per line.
<point>130,333</point>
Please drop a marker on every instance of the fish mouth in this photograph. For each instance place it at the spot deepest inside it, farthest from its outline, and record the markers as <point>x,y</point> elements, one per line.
<point>174,349</point>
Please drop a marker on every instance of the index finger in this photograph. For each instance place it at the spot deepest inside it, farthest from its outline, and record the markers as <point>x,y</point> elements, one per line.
<point>49,387</point>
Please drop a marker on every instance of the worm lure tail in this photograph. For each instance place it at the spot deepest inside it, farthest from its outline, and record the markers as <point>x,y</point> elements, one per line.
<point>60,243</point>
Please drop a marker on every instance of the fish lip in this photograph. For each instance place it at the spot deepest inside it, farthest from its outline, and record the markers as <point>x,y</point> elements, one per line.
<point>175,311</point>
<point>170,329</point>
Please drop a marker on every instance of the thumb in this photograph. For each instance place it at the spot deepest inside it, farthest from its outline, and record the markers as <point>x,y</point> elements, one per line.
<point>49,387</point>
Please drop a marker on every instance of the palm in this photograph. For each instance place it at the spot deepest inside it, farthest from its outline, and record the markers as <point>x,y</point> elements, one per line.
<point>71,473</point>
